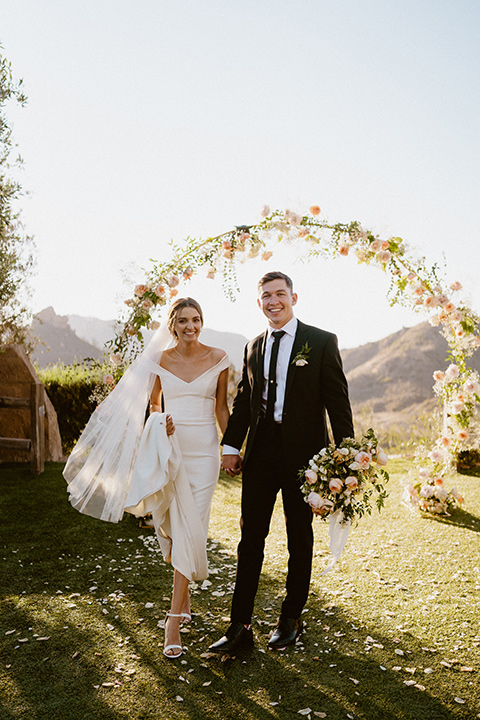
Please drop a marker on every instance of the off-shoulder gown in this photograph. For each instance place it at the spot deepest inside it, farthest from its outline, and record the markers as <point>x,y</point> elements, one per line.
<point>175,477</point>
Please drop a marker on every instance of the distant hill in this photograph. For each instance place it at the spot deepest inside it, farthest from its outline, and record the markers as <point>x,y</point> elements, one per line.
<point>57,342</point>
<point>393,377</point>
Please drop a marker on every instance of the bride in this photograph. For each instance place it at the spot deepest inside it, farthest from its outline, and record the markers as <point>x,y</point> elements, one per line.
<point>167,467</point>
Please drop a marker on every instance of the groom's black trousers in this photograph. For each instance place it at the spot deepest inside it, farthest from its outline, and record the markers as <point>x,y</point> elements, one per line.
<point>263,476</point>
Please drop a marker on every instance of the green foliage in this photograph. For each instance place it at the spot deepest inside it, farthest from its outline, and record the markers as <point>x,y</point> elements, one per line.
<point>16,258</point>
<point>70,388</point>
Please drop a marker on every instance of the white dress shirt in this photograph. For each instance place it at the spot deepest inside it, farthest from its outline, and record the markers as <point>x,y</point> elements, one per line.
<point>284,352</point>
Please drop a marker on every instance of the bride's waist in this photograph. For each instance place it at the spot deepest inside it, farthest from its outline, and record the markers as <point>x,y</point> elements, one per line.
<point>193,422</point>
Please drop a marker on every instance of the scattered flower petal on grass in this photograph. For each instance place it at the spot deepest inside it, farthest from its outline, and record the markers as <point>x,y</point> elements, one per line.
<point>305,711</point>
<point>420,687</point>
<point>399,652</point>
<point>460,701</point>
<point>179,698</point>
<point>409,682</point>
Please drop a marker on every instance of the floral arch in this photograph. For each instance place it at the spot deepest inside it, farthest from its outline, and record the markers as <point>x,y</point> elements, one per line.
<point>412,283</point>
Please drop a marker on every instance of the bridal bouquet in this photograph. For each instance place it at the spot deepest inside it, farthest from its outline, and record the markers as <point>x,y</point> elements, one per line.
<point>346,479</point>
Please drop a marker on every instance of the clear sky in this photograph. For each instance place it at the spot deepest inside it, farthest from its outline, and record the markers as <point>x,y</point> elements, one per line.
<point>152,120</point>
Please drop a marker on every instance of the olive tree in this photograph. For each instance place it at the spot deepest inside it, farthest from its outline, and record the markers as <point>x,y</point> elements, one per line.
<point>16,259</point>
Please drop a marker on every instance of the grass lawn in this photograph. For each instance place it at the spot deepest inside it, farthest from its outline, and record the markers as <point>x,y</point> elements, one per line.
<point>392,632</point>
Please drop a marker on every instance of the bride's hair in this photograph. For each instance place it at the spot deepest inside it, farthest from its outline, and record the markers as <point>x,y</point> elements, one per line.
<point>175,308</point>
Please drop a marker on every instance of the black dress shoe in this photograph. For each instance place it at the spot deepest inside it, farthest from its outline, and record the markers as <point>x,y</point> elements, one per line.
<point>237,637</point>
<point>286,633</point>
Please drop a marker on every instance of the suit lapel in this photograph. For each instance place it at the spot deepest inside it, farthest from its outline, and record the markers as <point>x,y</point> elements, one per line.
<point>299,341</point>
<point>259,361</point>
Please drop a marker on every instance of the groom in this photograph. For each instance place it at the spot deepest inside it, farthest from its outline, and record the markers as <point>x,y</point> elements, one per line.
<point>292,376</point>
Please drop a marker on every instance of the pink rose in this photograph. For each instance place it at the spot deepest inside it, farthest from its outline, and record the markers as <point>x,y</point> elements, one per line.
<point>363,459</point>
<point>335,485</point>
<point>411,276</point>
<point>384,256</point>
<point>442,299</point>
<point>471,386</point>
<point>173,281</point>
<point>265,211</point>
<point>351,482</point>
<point>311,477</point>
<point>147,304</point>
<point>436,455</point>
<point>318,504</point>
<point>452,372</point>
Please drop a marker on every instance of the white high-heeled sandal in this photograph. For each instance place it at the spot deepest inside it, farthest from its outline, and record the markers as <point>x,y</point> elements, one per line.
<point>172,647</point>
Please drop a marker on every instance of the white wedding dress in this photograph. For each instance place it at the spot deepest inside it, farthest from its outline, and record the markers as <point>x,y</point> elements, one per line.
<point>174,477</point>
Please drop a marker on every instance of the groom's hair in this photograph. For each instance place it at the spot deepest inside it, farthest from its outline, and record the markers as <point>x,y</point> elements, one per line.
<point>275,275</point>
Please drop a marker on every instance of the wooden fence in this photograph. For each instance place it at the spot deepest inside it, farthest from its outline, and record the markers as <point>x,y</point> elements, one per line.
<point>35,444</point>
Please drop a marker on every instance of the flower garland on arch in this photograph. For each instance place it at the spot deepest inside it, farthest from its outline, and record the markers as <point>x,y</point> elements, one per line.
<point>412,283</point>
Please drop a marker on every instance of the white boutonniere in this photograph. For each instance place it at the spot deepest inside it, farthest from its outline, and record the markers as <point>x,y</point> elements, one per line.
<point>301,358</point>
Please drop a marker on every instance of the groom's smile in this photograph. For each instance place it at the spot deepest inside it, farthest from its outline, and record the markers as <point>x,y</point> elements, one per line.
<point>276,302</point>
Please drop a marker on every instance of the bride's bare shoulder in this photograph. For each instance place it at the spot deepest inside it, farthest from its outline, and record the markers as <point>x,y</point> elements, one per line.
<point>217,354</point>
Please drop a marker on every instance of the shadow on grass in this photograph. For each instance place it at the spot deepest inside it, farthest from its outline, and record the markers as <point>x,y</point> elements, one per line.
<point>460,518</point>
<point>86,585</point>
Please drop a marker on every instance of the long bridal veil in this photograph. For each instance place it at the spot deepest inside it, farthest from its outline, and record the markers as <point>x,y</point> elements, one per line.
<point>99,470</point>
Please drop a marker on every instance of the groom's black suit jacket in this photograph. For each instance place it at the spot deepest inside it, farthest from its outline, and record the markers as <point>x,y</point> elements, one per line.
<point>311,391</point>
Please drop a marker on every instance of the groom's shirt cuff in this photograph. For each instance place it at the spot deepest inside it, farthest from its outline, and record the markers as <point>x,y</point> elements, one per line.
<point>229,450</point>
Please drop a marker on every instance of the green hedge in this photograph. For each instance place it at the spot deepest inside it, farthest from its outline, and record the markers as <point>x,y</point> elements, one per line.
<point>70,388</point>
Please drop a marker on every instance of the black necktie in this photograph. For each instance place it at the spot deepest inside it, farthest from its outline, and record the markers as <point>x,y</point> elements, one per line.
<point>272,374</point>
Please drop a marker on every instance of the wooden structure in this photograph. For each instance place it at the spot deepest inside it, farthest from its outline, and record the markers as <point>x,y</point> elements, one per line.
<point>35,444</point>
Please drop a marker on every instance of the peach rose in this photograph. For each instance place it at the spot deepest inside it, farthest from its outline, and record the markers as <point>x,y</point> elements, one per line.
<point>385,244</point>
<point>449,307</point>
<point>438,376</point>
<point>351,482</point>
<point>173,292</point>
<point>375,246</point>
<point>140,290</point>
<point>463,435</point>
<point>429,301</point>
<point>363,459</point>
<point>456,407</point>
<point>311,477</point>
<point>159,290</point>
<point>303,231</point>
<point>446,442</point>
<point>382,458</point>
<point>187,273</point>
<point>436,455</point>
<point>452,372</point>
<point>131,330</point>
<point>456,495</point>
<point>173,281</point>
<point>211,275</point>
<point>267,255</point>
<point>147,304</point>
<point>343,250</point>
<point>116,359</point>
<point>108,379</point>
<point>456,286</point>
<point>315,210</point>
<point>318,504</point>
<point>335,485</point>
<point>154,325</point>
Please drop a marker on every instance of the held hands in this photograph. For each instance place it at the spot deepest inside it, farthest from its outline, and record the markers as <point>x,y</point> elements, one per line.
<point>232,464</point>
